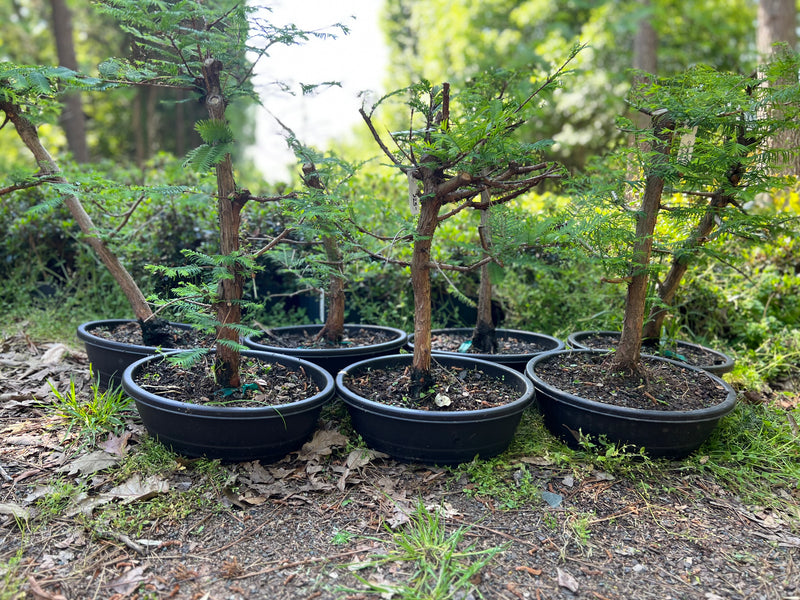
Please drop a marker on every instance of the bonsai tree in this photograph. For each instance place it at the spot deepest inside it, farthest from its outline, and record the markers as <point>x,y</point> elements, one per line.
<point>458,153</point>
<point>706,148</point>
<point>208,48</point>
<point>29,96</point>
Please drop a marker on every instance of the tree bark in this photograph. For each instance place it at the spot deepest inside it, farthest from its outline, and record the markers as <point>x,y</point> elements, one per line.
<point>679,266</point>
<point>230,290</point>
<point>484,338</point>
<point>333,330</point>
<point>777,22</point>
<point>49,169</point>
<point>628,352</point>
<point>72,119</point>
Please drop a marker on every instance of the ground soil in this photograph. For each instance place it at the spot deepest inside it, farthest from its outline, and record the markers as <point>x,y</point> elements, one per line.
<point>297,529</point>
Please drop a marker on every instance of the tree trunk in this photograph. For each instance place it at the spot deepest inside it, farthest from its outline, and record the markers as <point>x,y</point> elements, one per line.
<point>228,308</point>
<point>777,22</point>
<point>72,119</point>
<point>628,352</point>
<point>680,263</point>
<point>421,284</point>
<point>484,338</point>
<point>48,168</point>
<point>333,330</point>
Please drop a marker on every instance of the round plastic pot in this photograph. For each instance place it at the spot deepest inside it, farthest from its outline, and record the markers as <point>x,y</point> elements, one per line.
<point>722,362</point>
<point>109,358</point>
<point>671,433</point>
<point>332,358</point>
<point>515,361</point>
<point>433,437</point>
<point>232,434</point>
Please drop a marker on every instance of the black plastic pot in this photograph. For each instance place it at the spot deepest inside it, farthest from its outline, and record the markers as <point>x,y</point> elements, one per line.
<point>109,358</point>
<point>332,358</point>
<point>515,361</point>
<point>662,433</point>
<point>720,363</point>
<point>432,437</point>
<point>232,434</point>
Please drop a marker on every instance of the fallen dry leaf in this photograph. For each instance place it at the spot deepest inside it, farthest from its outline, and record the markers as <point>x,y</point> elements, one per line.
<point>39,593</point>
<point>565,579</point>
<point>90,463</point>
<point>322,444</point>
<point>128,582</point>
<point>137,489</point>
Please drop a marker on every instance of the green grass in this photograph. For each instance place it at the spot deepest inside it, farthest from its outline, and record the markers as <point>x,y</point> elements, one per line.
<point>11,581</point>
<point>427,562</point>
<point>100,411</point>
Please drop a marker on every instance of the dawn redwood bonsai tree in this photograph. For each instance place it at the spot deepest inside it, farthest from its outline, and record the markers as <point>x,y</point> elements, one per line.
<point>30,96</point>
<point>211,48</point>
<point>459,152</point>
<point>703,158</point>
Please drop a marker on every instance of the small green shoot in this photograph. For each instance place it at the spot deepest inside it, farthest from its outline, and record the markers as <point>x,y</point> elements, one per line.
<point>101,412</point>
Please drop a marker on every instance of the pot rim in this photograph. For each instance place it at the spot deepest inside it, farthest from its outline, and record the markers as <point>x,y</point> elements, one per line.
<point>398,341</point>
<point>84,334</point>
<point>701,414</point>
<point>190,408</point>
<point>482,414</point>
<point>499,356</point>
<point>575,337</point>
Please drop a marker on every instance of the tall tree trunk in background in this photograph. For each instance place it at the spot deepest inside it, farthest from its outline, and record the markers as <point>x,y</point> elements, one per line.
<point>73,119</point>
<point>484,337</point>
<point>777,22</point>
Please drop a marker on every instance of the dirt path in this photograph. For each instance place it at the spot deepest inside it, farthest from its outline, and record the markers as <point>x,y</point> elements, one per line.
<point>307,526</point>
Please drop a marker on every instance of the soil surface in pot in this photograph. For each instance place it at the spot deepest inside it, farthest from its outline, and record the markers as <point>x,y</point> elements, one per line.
<point>446,342</point>
<point>660,386</point>
<point>692,355</point>
<point>456,389</point>
<point>131,333</point>
<point>305,340</point>
<point>264,384</point>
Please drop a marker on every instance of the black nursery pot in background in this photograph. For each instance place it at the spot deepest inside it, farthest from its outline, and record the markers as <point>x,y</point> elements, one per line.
<point>330,357</point>
<point>110,358</point>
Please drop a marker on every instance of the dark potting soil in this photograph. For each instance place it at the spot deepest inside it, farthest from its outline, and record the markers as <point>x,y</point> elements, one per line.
<point>660,386</point>
<point>131,333</point>
<point>307,340</point>
<point>691,355</point>
<point>263,384</point>
<point>447,342</point>
<point>456,389</point>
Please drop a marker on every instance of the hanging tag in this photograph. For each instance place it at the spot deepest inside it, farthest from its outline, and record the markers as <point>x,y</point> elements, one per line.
<point>413,193</point>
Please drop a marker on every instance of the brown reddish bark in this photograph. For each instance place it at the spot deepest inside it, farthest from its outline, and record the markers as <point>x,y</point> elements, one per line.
<point>628,352</point>
<point>229,204</point>
<point>72,119</point>
<point>679,266</point>
<point>333,329</point>
<point>49,169</point>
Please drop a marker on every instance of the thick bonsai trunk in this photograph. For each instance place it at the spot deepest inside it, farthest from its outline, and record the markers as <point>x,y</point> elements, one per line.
<point>229,204</point>
<point>680,263</point>
<point>628,352</point>
<point>49,169</point>
<point>333,330</point>
<point>421,376</point>
<point>484,337</point>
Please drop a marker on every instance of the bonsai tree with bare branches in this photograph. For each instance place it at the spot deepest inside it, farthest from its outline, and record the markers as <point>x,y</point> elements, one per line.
<point>458,152</point>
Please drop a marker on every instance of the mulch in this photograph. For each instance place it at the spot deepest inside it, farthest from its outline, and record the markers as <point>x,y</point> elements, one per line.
<point>305,526</point>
